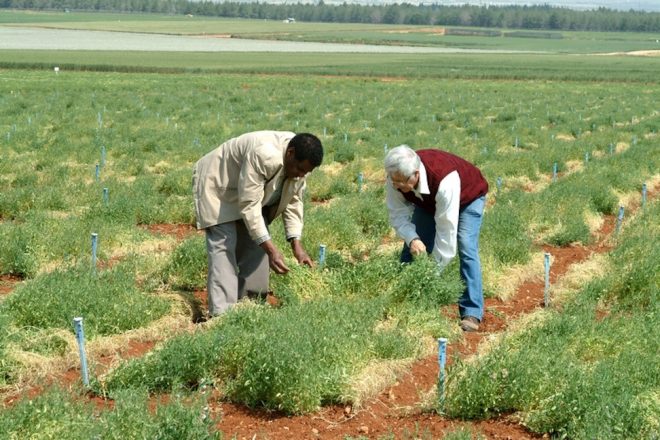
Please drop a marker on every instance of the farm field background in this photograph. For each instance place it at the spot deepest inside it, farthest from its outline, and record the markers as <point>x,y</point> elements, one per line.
<point>561,157</point>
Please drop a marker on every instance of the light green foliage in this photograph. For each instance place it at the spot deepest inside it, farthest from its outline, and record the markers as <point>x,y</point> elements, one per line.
<point>155,126</point>
<point>504,234</point>
<point>61,417</point>
<point>110,302</point>
<point>188,265</point>
<point>17,256</point>
<point>635,284</point>
<point>573,375</point>
<point>422,284</point>
<point>292,359</point>
<point>7,364</point>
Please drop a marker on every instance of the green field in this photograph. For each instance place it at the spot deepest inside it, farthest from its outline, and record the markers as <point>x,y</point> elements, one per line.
<point>579,369</point>
<point>570,42</point>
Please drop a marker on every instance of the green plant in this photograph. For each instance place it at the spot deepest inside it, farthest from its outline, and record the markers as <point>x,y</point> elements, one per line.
<point>267,357</point>
<point>421,283</point>
<point>67,417</point>
<point>503,234</point>
<point>7,363</point>
<point>109,301</point>
<point>188,265</point>
<point>17,254</point>
<point>575,375</point>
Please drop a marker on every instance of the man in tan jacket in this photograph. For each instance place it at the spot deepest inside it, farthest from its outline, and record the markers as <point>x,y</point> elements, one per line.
<point>239,188</point>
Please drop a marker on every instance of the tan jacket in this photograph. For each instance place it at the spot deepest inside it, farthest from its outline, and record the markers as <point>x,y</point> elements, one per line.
<point>237,179</point>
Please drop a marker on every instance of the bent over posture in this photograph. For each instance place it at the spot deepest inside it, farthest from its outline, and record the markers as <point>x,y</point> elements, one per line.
<point>239,188</point>
<point>435,202</point>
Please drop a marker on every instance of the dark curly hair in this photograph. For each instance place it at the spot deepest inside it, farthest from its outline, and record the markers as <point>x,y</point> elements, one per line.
<point>306,146</point>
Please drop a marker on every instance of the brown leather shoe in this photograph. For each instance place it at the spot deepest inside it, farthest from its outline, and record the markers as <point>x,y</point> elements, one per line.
<point>469,324</point>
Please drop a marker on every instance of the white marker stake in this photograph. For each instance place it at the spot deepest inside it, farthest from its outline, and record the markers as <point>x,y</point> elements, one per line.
<point>619,219</point>
<point>321,255</point>
<point>546,290</point>
<point>80,337</point>
<point>442,358</point>
<point>95,239</point>
<point>643,195</point>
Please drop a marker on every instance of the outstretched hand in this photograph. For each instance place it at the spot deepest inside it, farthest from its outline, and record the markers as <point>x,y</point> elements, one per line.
<point>417,247</point>
<point>275,258</point>
<point>300,254</point>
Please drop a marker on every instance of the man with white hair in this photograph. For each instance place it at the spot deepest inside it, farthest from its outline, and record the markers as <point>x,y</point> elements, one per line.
<point>436,201</point>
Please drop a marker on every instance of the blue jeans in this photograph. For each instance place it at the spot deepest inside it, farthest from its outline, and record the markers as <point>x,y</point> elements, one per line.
<point>471,303</point>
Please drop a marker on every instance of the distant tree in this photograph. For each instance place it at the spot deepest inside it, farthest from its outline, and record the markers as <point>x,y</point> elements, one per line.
<point>514,17</point>
<point>391,15</point>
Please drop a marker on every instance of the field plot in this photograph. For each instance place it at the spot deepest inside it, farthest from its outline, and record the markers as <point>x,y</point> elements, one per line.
<point>347,349</point>
<point>355,33</point>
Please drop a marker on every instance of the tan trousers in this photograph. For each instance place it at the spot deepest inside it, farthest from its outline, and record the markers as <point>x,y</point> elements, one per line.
<point>237,266</point>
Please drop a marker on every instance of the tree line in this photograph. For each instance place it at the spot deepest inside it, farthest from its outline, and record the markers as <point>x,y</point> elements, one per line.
<point>513,17</point>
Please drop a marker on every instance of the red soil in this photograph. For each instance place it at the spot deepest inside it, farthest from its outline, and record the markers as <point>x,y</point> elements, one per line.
<point>7,283</point>
<point>180,231</point>
<point>395,410</point>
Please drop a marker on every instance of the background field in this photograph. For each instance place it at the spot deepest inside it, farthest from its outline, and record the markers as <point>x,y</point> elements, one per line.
<point>143,119</point>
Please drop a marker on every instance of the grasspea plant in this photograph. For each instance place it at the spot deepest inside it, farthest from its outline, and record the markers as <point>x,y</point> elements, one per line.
<point>132,416</point>
<point>109,301</point>
<point>7,364</point>
<point>54,128</point>
<point>188,264</point>
<point>266,357</point>
<point>572,374</point>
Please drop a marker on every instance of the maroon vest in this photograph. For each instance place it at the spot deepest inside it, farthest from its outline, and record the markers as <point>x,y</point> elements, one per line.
<point>440,163</point>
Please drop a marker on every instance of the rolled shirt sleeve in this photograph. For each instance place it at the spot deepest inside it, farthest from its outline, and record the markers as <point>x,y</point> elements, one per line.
<point>447,208</point>
<point>293,214</point>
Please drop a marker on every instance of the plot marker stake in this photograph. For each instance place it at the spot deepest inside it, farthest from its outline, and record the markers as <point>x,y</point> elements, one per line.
<point>321,255</point>
<point>80,337</point>
<point>546,290</point>
<point>619,219</point>
<point>95,239</point>
<point>442,358</point>
<point>643,195</point>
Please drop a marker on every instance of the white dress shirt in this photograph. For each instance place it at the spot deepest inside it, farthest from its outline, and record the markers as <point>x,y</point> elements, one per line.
<point>447,207</point>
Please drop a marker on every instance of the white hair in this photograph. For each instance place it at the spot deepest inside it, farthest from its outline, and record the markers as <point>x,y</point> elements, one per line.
<point>401,159</point>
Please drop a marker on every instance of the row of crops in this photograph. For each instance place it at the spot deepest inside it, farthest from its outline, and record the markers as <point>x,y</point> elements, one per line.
<point>558,157</point>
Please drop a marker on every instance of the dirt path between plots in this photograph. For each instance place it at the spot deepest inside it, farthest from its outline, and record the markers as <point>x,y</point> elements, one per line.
<point>396,410</point>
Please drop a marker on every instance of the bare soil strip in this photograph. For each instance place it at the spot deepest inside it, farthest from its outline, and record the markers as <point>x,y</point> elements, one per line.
<point>398,410</point>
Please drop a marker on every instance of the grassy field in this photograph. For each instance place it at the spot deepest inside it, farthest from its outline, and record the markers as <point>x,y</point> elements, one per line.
<point>571,42</point>
<point>567,59</point>
<point>579,369</point>
<point>457,66</point>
